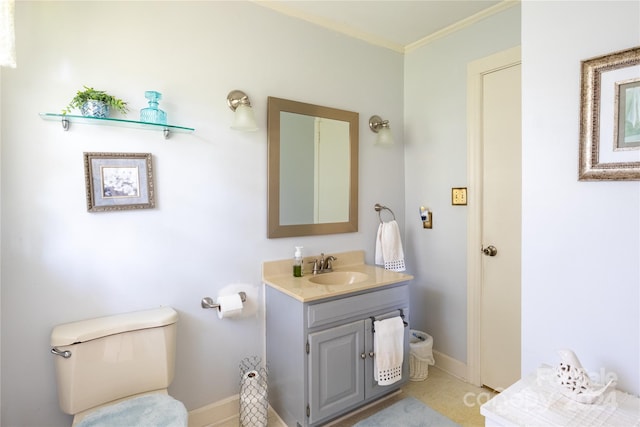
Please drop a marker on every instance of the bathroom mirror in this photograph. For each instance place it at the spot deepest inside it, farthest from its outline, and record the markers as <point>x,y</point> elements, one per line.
<point>312,169</point>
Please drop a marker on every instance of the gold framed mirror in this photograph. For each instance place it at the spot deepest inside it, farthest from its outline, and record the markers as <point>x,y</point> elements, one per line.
<point>312,169</point>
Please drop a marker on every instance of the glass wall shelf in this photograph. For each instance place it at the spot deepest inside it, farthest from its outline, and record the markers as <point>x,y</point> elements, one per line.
<point>67,119</point>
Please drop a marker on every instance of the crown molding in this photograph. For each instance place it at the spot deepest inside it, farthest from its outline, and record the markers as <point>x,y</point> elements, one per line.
<point>282,8</point>
<point>467,22</point>
<point>330,25</point>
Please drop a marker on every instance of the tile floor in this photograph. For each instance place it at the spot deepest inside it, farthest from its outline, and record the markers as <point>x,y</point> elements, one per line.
<point>450,396</point>
<point>444,393</point>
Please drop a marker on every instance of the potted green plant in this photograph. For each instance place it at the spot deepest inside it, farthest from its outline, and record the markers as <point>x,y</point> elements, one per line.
<point>95,103</point>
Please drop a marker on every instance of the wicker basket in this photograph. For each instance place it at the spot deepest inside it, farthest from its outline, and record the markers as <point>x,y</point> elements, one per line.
<point>420,355</point>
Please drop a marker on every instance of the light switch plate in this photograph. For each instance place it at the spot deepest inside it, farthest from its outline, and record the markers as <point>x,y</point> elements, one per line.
<point>459,196</point>
<point>428,222</point>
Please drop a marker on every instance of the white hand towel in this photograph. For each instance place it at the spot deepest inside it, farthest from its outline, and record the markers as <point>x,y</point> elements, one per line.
<point>379,256</point>
<point>388,347</point>
<point>389,250</point>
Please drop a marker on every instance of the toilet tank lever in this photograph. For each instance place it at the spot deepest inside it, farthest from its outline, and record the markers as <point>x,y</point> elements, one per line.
<point>66,354</point>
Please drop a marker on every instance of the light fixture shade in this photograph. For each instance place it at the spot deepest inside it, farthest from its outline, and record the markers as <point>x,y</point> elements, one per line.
<point>382,128</point>
<point>385,137</point>
<point>244,119</point>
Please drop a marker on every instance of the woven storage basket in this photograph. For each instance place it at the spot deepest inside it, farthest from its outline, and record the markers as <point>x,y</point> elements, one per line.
<point>420,355</point>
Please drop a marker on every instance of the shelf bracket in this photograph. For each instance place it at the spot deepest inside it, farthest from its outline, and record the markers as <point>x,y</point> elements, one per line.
<point>165,132</point>
<point>65,124</point>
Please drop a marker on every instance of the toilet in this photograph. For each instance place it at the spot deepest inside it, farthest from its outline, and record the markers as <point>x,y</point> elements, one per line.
<point>115,370</point>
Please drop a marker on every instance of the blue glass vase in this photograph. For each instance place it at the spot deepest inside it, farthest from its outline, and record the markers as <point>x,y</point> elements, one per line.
<point>152,114</point>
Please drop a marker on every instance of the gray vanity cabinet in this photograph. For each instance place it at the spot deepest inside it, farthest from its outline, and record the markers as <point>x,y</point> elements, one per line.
<point>340,386</point>
<point>320,354</point>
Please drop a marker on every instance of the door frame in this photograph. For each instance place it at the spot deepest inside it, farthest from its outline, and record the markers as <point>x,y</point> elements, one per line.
<point>476,70</point>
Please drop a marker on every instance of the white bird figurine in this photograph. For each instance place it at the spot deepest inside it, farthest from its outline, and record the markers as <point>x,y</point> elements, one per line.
<point>574,379</point>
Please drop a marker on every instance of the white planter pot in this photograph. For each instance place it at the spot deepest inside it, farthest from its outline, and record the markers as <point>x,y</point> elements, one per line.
<point>93,108</point>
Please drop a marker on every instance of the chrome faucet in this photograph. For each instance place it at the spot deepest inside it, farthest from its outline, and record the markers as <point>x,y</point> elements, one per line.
<point>327,265</point>
<point>323,265</point>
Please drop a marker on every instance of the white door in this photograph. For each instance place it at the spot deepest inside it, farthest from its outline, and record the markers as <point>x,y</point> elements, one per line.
<point>501,218</point>
<point>332,156</point>
<point>494,222</point>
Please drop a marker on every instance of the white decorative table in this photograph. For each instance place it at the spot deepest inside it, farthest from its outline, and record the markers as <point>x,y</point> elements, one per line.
<point>536,401</point>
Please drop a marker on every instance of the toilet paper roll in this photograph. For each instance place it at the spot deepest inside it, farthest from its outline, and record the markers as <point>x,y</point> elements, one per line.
<point>253,400</point>
<point>253,386</point>
<point>230,306</point>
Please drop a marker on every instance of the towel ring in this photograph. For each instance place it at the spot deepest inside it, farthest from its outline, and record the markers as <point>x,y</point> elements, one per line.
<point>378,207</point>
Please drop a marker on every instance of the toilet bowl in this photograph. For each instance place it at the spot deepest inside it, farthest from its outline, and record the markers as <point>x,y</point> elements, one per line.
<point>115,370</point>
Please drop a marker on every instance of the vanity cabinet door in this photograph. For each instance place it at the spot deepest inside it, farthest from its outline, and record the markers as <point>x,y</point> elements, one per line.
<point>336,369</point>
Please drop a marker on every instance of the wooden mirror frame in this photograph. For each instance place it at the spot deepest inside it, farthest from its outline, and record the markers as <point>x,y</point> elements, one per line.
<point>274,228</point>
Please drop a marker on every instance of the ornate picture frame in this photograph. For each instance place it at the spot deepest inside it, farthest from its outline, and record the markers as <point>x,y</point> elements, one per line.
<point>610,117</point>
<point>119,181</point>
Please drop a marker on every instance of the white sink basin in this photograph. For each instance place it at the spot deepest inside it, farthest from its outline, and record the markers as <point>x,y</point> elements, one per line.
<point>339,278</point>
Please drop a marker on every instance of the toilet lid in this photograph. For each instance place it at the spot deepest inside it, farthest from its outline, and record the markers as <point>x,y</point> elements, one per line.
<point>152,410</point>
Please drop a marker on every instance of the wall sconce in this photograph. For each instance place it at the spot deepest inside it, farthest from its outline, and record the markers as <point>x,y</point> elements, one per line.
<point>381,127</point>
<point>243,118</point>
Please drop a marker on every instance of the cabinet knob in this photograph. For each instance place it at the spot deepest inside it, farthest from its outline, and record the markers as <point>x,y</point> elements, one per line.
<point>371,354</point>
<point>363,356</point>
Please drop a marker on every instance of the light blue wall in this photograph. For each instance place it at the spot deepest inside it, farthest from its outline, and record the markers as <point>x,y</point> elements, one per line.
<point>297,162</point>
<point>580,240</point>
<point>208,231</point>
<point>436,161</point>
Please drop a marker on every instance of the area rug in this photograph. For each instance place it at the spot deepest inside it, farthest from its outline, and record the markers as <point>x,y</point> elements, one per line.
<point>408,412</point>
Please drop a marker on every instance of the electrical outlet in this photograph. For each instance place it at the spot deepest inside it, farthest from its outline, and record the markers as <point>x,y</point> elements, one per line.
<point>459,196</point>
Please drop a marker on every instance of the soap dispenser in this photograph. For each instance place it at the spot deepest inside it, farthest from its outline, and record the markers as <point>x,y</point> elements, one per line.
<point>297,262</point>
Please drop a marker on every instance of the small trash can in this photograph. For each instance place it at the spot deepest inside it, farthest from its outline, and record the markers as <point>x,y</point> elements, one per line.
<point>420,355</point>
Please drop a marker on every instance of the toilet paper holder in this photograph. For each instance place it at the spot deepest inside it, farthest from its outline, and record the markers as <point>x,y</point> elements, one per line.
<point>208,302</point>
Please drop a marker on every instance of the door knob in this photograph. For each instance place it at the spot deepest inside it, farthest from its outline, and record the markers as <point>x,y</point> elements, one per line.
<point>490,250</point>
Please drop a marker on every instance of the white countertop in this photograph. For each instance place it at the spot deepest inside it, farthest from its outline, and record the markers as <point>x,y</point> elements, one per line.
<point>279,275</point>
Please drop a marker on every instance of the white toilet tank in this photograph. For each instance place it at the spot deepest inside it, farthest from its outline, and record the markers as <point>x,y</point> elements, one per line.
<point>114,357</point>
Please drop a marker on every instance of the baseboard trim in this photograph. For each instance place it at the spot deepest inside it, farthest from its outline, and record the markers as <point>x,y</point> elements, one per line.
<point>215,413</point>
<point>219,413</point>
<point>450,365</point>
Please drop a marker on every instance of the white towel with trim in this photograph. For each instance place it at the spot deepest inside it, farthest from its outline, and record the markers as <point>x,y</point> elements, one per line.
<point>389,250</point>
<point>388,347</point>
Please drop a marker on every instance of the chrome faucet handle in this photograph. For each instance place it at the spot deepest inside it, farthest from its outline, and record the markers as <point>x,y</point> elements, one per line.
<point>316,268</point>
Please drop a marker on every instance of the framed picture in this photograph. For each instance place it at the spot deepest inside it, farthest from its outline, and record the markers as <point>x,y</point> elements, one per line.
<point>610,117</point>
<point>627,111</point>
<point>118,181</point>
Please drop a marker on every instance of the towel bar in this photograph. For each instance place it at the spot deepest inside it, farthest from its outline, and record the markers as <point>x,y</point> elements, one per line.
<point>373,319</point>
<point>378,207</point>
